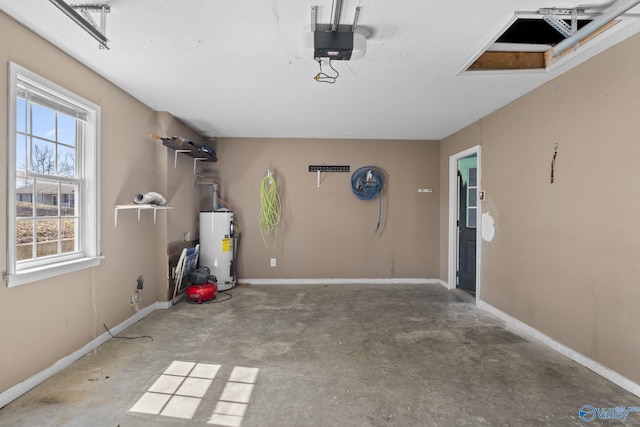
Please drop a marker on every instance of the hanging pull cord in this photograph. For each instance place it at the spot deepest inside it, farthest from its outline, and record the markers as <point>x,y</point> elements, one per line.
<point>379,215</point>
<point>553,162</point>
<point>323,77</point>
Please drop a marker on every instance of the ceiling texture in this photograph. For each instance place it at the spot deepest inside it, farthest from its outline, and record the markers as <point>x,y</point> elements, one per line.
<point>236,68</point>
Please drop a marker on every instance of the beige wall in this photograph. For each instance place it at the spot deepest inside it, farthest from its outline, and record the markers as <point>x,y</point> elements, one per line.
<point>565,255</point>
<point>178,186</point>
<point>42,322</point>
<point>327,232</point>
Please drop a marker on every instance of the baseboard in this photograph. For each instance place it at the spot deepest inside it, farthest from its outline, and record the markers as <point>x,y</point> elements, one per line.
<point>165,305</point>
<point>585,361</point>
<point>18,390</point>
<point>443,283</point>
<point>416,281</point>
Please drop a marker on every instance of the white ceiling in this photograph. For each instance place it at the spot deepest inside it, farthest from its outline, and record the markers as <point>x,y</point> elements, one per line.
<point>236,68</point>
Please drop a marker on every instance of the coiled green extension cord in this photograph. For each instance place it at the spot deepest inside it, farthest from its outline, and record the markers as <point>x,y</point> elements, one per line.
<point>269,207</point>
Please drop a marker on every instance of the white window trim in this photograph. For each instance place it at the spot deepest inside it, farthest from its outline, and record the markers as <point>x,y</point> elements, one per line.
<point>90,205</point>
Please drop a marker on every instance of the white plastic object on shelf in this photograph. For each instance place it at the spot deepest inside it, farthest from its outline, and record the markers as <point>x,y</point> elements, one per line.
<point>150,198</point>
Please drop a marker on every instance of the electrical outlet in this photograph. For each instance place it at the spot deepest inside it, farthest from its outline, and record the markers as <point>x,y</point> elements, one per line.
<point>273,262</point>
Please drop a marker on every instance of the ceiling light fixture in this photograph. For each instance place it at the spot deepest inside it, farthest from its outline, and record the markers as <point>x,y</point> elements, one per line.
<point>87,23</point>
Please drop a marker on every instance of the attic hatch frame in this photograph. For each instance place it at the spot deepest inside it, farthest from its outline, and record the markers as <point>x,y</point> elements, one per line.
<point>554,18</point>
<point>523,57</point>
<point>80,14</point>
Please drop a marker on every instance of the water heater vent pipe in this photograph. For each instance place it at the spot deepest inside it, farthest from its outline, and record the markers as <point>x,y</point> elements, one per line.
<point>214,186</point>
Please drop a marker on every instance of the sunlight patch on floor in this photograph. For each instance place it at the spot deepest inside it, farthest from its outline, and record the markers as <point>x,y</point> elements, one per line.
<point>179,390</point>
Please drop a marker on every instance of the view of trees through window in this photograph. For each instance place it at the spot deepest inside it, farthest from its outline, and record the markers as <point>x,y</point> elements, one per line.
<point>46,211</point>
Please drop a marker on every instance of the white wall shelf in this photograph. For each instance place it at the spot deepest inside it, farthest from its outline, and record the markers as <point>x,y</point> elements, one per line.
<point>139,207</point>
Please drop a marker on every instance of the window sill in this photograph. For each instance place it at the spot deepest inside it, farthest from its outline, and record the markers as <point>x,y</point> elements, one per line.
<point>48,271</point>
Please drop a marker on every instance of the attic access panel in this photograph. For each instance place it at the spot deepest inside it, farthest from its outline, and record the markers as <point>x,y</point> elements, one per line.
<point>535,31</point>
<point>524,45</point>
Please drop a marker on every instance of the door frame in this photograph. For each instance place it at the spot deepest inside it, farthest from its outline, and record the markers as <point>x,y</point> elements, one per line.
<point>453,216</point>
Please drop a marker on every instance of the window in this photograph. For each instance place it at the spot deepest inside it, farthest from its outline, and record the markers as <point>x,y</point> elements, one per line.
<point>53,195</point>
<point>472,198</point>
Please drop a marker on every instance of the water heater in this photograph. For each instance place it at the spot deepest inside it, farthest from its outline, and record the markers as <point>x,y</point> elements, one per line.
<point>217,242</point>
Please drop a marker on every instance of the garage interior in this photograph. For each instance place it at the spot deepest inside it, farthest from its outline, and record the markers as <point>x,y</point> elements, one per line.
<point>502,159</point>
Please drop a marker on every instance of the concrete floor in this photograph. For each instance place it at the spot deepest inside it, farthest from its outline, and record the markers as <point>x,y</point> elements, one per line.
<point>350,355</point>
